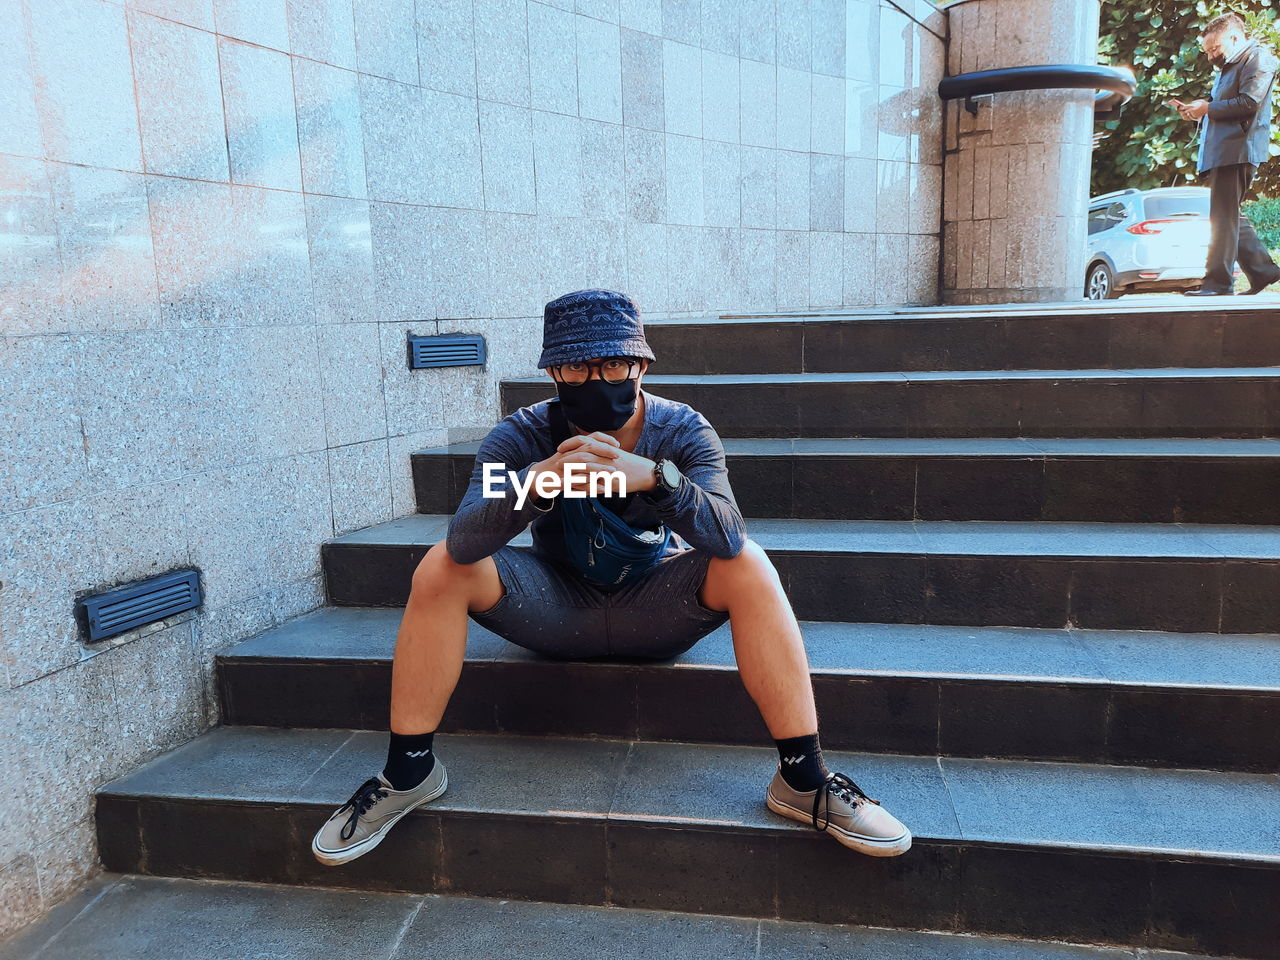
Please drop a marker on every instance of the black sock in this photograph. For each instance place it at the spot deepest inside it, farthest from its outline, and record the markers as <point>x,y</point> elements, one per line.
<point>801,762</point>
<point>409,759</point>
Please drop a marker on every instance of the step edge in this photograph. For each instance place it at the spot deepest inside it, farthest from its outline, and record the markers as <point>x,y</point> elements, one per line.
<point>363,537</point>
<point>1044,680</point>
<point>1137,851</point>
<point>1266,373</point>
<point>455,454</point>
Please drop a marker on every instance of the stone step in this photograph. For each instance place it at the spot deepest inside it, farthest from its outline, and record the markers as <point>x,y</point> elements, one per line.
<point>1166,402</point>
<point>1167,699</point>
<point>965,478</point>
<point>117,916</point>
<point>1117,855</point>
<point>1027,338</point>
<point>1182,578</point>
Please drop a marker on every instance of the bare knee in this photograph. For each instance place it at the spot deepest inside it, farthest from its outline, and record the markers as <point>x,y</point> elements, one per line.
<point>749,562</point>
<point>438,570</point>
<point>729,577</point>
<point>438,573</point>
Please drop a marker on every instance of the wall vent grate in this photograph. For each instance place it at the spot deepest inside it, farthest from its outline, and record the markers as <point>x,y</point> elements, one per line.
<point>146,601</point>
<point>448,350</point>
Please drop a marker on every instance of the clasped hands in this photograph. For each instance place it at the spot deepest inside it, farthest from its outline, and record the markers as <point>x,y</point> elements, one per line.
<point>599,453</point>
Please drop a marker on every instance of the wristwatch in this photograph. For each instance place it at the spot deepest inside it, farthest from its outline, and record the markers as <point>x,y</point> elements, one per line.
<point>667,478</point>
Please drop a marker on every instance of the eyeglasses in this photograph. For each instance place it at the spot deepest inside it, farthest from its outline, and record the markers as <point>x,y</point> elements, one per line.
<point>611,370</point>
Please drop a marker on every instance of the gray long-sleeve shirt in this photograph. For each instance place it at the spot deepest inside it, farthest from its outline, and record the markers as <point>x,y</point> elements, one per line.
<point>702,513</point>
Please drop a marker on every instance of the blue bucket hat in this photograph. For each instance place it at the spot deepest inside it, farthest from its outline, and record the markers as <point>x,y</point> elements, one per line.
<point>591,323</point>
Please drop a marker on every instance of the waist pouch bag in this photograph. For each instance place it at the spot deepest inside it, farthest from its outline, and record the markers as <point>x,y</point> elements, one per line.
<point>599,544</point>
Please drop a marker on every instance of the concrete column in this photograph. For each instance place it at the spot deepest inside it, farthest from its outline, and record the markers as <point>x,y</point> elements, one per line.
<point>1016,176</point>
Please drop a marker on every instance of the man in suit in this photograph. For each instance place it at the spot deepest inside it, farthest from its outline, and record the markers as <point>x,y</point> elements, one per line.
<point>1235,137</point>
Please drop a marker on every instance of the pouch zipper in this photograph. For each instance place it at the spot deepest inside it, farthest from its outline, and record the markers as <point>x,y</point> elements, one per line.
<point>591,544</point>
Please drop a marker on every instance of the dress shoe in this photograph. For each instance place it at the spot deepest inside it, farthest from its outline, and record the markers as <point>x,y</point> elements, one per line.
<point>1208,293</point>
<point>1255,288</point>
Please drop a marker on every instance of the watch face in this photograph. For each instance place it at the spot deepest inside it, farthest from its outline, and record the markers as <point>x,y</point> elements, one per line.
<point>670,473</point>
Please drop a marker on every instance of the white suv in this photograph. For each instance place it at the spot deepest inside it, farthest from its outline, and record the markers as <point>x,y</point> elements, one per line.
<point>1144,241</point>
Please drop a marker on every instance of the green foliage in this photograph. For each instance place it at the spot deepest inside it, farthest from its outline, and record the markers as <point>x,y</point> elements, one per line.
<point>1265,216</point>
<point>1149,145</point>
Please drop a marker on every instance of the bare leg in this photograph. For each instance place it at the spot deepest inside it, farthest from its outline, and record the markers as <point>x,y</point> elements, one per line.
<point>766,639</point>
<point>432,640</point>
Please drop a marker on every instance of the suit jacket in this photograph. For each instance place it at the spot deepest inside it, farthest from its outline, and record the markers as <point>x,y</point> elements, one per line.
<point>1237,128</point>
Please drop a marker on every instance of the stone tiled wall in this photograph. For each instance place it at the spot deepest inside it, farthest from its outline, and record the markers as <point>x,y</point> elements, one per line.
<point>1017,173</point>
<point>220,219</point>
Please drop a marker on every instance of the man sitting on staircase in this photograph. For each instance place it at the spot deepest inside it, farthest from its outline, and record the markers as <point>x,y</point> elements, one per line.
<point>706,572</point>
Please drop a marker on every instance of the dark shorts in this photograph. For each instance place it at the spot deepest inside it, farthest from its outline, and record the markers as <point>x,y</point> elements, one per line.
<point>548,608</point>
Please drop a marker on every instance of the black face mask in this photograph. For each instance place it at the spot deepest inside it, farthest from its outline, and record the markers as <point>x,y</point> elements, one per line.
<point>1223,56</point>
<point>598,404</point>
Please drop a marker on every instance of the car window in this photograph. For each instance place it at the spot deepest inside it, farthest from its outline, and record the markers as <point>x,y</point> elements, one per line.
<point>1158,207</point>
<point>1104,218</point>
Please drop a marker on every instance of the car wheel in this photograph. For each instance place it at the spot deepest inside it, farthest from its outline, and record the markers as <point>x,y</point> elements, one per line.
<point>1100,283</point>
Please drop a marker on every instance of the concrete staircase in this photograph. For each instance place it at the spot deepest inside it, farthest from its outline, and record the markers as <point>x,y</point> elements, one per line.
<point>1036,558</point>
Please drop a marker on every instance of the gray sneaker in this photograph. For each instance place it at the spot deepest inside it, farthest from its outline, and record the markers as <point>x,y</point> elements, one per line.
<point>852,817</point>
<point>359,825</point>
